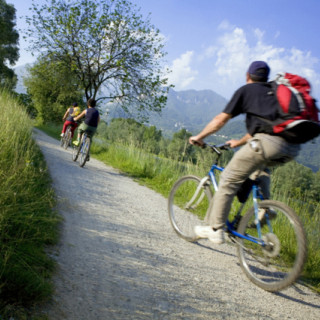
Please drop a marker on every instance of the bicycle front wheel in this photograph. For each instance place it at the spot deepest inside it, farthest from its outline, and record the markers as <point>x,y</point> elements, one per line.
<point>84,151</point>
<point>76,151</point>
<point>62,142</point>
<point>188,203</point>
<point>278,263</point>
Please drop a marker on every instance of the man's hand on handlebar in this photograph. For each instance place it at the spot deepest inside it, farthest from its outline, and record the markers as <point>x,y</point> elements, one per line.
<point>196,141</point>
<point>233,143</point>
<point>237,143</point>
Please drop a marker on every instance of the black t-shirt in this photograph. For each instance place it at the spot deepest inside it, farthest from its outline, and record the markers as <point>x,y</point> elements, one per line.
<point>255,100</point>
<point>92,117</point>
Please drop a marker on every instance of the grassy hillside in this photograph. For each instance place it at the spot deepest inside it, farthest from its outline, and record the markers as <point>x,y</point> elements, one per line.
<point>27,222</point>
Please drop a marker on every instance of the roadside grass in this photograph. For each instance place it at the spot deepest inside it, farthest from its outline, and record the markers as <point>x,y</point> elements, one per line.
<point>28,221</point>
<point>53,130</point>
<point>309,213</point>
<point>160,175</point>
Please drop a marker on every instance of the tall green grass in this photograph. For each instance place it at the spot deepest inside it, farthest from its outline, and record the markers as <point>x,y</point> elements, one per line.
<point>28,222</point>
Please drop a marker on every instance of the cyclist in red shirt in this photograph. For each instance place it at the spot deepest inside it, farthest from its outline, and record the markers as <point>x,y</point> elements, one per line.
<point>69,119</point>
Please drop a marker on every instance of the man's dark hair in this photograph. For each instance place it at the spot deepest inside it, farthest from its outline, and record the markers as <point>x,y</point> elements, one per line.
<point>257,78</point>
<point>259,71</point>
<point>91,102</point>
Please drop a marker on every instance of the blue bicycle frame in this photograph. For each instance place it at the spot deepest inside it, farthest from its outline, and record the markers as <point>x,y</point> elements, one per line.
<point>256,195</point>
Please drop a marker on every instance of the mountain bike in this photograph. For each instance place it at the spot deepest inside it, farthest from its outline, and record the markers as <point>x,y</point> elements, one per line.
<point>66,139</point>
<point>271,241</point>
<point>83,149</point>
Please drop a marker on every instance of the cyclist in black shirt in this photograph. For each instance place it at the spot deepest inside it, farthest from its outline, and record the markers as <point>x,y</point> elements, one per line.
<point>91,120</point>
<point>260,149</point>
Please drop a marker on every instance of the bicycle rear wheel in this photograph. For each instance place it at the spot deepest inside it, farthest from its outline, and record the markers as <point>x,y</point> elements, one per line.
<point>279,263</point>
<point>188,204</point>
<point>84,151</point>
<point>67,138</point>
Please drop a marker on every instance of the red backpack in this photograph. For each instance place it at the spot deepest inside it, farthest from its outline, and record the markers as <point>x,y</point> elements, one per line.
<point>297,123</point>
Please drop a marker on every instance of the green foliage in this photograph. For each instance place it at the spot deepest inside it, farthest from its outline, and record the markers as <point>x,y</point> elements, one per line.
<point>53,89</point>
<point>27,221</point>
<point>297,180</point>
<point>179,148</point>
<point>131,132</point>
<point>9,52</point>
<point>108,46</point>
<point>25,101</point>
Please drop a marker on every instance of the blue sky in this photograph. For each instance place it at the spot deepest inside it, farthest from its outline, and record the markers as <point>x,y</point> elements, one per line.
<point>210,43</point>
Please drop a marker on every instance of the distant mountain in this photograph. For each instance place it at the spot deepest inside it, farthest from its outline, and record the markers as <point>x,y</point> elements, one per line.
<point>192,110</point>
<point>188,109</point>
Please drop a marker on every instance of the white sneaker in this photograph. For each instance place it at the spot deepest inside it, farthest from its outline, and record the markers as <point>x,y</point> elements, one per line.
<point>62,134</point>
<point>216,237</point>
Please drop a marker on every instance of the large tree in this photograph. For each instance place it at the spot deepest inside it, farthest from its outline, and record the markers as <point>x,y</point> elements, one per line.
<point>53,88</point>
<point>115,53</point>
<point>9,51</point>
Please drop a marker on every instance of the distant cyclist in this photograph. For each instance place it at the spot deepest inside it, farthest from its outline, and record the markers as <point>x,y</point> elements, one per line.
<point>69,119</point>
<point>91,120</point>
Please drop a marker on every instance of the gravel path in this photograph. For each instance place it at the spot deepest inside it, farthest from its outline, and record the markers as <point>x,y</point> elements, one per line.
<point>118,257</point>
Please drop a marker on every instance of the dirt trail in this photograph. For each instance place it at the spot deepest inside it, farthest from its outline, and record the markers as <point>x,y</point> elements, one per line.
<point>118,257</point>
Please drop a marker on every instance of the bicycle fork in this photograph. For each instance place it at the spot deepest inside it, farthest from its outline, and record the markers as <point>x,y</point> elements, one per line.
<point>196,194</point>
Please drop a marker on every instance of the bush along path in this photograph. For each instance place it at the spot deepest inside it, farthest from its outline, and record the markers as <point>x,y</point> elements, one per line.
<point>118,257</point>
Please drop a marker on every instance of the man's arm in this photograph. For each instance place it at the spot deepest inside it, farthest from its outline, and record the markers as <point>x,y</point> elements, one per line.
<point>65,115</point>
<point>233,143</point>
<point>81,115</point>
<point>213,126</point>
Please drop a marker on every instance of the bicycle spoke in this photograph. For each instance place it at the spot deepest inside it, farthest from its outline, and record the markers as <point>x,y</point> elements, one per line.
<point>188,204</point>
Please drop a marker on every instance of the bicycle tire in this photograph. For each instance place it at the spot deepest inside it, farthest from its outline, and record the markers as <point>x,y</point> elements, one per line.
<point>76,151</point>
<point>67,138</point>
<point>279,264</point>
<point>62,142</point>
<point>84,151</point>
<point>183,219</point>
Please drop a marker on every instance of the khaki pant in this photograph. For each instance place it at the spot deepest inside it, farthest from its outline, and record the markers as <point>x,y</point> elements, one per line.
<point>84,127</point>
<point>259,152</point>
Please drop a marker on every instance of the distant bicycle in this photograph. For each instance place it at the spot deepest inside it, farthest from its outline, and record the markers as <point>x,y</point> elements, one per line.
<point>270,238</point>
<point>66,140</point>
<point>82,149</point>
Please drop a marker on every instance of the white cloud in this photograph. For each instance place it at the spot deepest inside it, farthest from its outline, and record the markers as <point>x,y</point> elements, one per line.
<point>182,74</point>
<point>232,53</point>
<point>225,25</point>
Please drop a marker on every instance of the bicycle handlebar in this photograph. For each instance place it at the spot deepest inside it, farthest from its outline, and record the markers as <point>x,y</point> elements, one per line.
<point>214,148</point>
